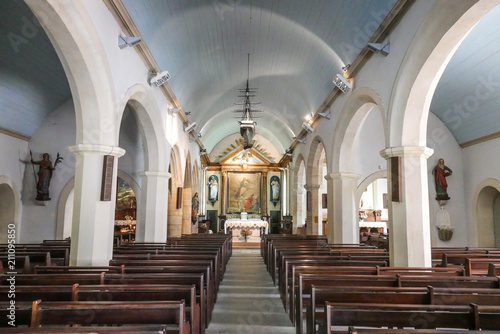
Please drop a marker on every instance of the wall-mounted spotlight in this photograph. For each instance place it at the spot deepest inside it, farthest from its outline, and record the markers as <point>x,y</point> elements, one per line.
<point>383,49</point>
<point>346,67</point>
<point>199,135</point>
<point>289,153</point>
<point>342,83</point>
<point>302,141</point>
<point>190,127</point>
<point>172,111</point>
<point>307,127</point>
<point>124,41</point>
<point>159,79</point>
<point>327,115</point>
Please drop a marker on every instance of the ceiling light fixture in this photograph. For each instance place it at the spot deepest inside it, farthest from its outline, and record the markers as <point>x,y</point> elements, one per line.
<point>346,67</point>
<point>302,141</point>
<point>383,49</point>
<point>342,83</point>
<point>190,127</point>
<point>159,79</point>
<point>172,111</point>
<point>327,115</point>
<point>124,41</point>
<point>307,127</point>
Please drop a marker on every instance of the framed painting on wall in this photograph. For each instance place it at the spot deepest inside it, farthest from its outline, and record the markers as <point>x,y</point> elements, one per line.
<point>244,192</point>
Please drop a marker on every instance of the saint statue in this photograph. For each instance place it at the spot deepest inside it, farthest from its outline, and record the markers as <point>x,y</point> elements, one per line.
<point>275,187</point>
<point>213,189</point>
<point>44,176</point>
<point>441,172</point>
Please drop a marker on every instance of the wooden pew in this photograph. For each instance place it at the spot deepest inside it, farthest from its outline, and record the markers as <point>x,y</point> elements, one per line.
<point>356,330</point>
<point>143,329</point>
<point>78,269</point>
<point>381,295</point>
<point>142,293</point>
<point>20,312</point>
<point>111,313</point>
<point>28,293</point>
<point>479,266</point>
<point>419,316</point>
<point>494,270</point>
<point>118,279</point>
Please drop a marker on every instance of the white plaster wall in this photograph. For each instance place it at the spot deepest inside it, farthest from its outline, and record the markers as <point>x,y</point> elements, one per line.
<point>368,143</point>
<point>55,134</point>
<point>132,162</point>
<point>481,162</point>
<point>442,141</point>
<point>15,161</point>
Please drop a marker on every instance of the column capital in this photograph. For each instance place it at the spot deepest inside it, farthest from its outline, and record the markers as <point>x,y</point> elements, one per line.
<point>342,176</point>
<point>407,151</point>
<point>81,149</point>
<point>149,173</point>
<point>312,186</point>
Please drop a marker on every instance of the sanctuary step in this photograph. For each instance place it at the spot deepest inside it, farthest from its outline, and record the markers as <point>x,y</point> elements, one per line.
<point>248,302</point>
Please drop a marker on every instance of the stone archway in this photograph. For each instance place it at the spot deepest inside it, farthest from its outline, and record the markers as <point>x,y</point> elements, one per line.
<point>486,203</point>
<point>315,173</point>
<point>299,194</point>
<point>9,206</point>
<point>175,195</point>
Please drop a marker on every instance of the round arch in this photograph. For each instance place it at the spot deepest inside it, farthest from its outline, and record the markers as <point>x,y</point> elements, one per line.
<point>71,31</point>
<point>445,27</point>
<point>299,193</point>
<point>486,213</point>
<point>357,107</point>
<point>147,114</point>
<point>9,207</point>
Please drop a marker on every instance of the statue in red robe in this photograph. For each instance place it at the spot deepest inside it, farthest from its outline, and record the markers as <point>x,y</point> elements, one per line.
<point>441,172</point>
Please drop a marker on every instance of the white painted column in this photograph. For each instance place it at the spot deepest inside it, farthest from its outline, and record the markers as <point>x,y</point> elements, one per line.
<point>409,220</point>
<point>313,210</point>
<point>152,212</point>
<point>343,218</point>
<point>93,219</point>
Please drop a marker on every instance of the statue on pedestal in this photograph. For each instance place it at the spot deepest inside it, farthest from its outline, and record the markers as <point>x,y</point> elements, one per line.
<point>441,172</point>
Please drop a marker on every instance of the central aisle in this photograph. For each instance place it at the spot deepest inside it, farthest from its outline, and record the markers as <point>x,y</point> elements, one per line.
<point>248,302</point>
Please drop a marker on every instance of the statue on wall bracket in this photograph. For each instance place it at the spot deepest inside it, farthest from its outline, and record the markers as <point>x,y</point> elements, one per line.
<point>275,189</point>
<point>44,175</point>
<point>213,189</point>
<point>441,172</point>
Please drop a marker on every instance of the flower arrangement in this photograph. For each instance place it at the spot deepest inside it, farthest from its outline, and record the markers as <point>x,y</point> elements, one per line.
<point>445,232</point>
<point>246,232</point>
<point>362,215</point>
<point>127,217</point>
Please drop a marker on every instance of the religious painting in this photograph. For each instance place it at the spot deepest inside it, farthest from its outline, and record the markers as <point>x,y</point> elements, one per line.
<point>125,200</point>
<point>275,189</point>
<point>244,192</point>
<point>213,189</point>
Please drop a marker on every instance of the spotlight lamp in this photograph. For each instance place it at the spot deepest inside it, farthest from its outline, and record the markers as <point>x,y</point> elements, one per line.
<point>190,127</point>
<point>327,115</point>
<point>302,141</point>
<point>346,67</point>
<point>342,83</point>
<point>124,41</point>
<point>307,127</point>
<point>172,111</point>
<point>159,79</point>
<point>383,49</point>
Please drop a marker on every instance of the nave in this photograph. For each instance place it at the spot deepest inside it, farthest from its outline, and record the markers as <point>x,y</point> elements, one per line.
<point>248,302</point>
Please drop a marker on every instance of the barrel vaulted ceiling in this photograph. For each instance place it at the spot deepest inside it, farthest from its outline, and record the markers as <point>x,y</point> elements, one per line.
<point>295,49</point>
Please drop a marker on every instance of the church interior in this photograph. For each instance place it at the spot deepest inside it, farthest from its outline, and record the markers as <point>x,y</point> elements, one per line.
<point>230,166</point>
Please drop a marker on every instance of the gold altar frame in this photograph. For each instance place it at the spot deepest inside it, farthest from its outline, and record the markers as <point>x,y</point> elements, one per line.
<point>244,192</point>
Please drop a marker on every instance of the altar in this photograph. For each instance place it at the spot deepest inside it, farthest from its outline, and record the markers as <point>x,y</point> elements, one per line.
<point>255,226</point>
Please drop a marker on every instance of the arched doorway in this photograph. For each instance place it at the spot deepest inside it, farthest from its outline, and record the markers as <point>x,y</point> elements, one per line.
<point>488,217</point>
<point>7,211</point>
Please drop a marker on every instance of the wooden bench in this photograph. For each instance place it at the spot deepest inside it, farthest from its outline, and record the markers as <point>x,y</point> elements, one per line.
<point>20,313</point>
<point>359,330</point>
<point>29,293</point>
<point>479,266</point>
<point>381,295</point>
<point>78,269</point>
<point>142,293</point>
<point>143,329</point>
<point>494,270</point>
<point>418,316</point>
<point>169,313</point>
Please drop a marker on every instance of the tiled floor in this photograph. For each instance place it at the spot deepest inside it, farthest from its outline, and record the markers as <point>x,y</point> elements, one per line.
<point>248,302</point>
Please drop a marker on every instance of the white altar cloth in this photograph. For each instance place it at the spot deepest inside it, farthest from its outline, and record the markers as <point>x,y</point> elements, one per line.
<point>246,223</point>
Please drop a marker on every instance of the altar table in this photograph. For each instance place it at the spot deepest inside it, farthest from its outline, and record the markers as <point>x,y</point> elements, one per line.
<point>254,225</point>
